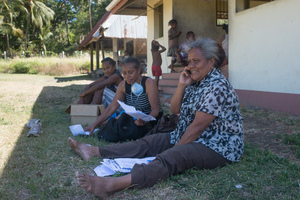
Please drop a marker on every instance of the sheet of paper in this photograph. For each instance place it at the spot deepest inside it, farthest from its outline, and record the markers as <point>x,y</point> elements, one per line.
<point>77,129</point>
<point>103,170</point>
<point>109,167</point>
<point>130,110</point>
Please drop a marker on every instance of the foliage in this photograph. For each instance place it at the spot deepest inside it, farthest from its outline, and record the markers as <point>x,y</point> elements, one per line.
<point>21,67</point>
<point>41,24</point>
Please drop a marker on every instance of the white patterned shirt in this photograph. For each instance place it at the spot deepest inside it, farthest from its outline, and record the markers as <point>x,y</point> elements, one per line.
<point>213,95</point>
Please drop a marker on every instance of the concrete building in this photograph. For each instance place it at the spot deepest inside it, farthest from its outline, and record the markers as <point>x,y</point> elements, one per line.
<point>263,48</point>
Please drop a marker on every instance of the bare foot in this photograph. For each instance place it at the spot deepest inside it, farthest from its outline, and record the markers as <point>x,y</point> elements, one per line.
<point>103,186</point>
<point>81,149</point>
<point>94,184</point>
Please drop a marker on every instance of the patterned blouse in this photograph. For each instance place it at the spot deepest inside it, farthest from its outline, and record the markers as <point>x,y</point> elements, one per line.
<point>214,95</point>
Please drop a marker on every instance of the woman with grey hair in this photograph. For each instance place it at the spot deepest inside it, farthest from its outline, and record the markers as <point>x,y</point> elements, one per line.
<point>209,132</point>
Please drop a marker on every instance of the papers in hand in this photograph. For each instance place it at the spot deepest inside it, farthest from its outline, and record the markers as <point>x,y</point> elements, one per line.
<point>124,165</point>
<point>130,110</point>
<point>78,130</point>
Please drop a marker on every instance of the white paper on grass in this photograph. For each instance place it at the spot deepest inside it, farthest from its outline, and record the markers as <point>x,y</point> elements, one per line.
<point>130,110</point>
<point>111,166</point>
<point>77,129</point>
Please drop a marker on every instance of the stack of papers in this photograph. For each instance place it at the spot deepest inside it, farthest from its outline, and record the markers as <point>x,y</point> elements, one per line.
<point>124,165</point>
<point>130,110</point>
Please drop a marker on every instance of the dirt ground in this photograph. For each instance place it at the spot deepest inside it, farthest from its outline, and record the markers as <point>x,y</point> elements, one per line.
<point>266,129</point>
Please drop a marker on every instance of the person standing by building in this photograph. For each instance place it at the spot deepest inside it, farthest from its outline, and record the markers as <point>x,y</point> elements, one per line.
<point>173,35</point>
<point>156,51</point>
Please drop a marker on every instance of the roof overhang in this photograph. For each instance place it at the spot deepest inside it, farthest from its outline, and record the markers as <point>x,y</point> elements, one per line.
<point>95,33</point>
<point>128,7</point>
<point>119,7</point>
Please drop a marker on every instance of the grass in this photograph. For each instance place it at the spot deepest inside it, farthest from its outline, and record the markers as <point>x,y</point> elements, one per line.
<point>46,66</point>
<point>43,167</point>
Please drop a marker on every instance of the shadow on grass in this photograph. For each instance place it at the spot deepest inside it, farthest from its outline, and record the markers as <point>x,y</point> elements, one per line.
<point>74,78</point>
<point>43,167</point>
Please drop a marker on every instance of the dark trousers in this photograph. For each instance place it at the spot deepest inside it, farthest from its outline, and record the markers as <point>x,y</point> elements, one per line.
<point>170,160</point>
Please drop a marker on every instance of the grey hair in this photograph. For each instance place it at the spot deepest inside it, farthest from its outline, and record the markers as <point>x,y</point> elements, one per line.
<point>210,49</point>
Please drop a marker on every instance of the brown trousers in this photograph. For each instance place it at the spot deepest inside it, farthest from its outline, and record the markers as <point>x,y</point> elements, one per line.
<point>170,160</point>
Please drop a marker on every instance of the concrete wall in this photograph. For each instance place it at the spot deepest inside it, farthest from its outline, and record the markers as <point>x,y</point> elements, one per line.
<point>168,14</point>
<point>263,47</point>
<point>196,15</point>
<point>264,52</point>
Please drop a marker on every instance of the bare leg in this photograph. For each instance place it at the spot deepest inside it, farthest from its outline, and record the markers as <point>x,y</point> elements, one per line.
<point>171,66</point>
<point>103,186</point>
<point>157,83</point>
<point>157,80</point>
<point>87,99</point>
<point>98,97</point>
<point>85,151</point>
<point>81,100</point>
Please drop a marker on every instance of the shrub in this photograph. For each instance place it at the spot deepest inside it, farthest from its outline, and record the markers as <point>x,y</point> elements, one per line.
<point>50,54</point>
<point>21,67</point>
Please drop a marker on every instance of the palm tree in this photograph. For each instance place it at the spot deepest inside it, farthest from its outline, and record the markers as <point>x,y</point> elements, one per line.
<point>38,13</point>
<point>90,15</point>
<point>80,2</point>
<point>43,37</point>
<point>67,23</point>
<point>8,27</point>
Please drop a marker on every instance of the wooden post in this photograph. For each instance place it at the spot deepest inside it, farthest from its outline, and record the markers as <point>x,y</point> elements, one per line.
<point>115,48</point>
<point>97,54</point>
<point>134,47</point>
<point>102,49</point>
<point>92,60</point>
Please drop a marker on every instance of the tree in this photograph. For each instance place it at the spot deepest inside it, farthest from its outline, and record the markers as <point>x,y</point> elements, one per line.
<point>43,37</point>
<point>6,23</point>
<point>67,23</point>
<point>38,13</point>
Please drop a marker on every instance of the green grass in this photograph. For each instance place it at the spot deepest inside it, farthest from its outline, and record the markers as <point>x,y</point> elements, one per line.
<point>43,167</point>
<point>293,141</point>
<point>46,66</point>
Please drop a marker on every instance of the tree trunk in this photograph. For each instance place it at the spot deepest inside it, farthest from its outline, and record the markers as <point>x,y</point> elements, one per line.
<point>66,20</point>
<point>90,14</point>
<point>33,32</point>
<point>27,27</point>
<point>8,47</point>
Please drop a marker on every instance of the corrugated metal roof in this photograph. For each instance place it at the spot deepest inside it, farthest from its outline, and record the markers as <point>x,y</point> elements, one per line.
<point>126,26</point>
<point>90,35</point>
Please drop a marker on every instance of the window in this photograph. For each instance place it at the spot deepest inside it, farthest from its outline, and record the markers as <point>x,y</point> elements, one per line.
<point>158,21</point>
<point>222,12</point>
<point>246,4</point>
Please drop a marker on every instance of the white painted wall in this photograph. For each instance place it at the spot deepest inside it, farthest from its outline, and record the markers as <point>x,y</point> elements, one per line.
<point>264,47</point>
<point>168,14</point>
<point>191,15</point>
<point>198,16</point>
